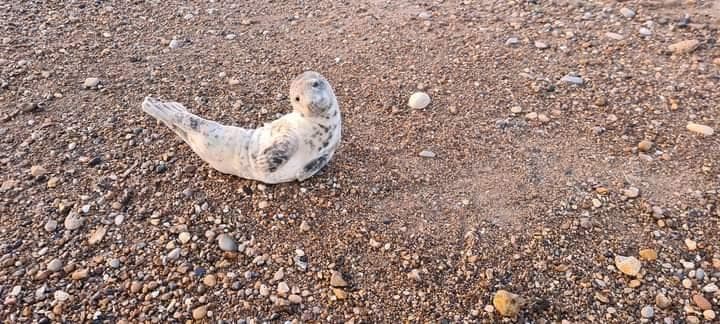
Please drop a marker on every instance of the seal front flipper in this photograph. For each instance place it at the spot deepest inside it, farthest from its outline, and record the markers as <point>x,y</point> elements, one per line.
<point>283,146</point>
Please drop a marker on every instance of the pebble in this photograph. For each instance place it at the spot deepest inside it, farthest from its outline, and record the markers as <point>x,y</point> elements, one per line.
<point>424,15</point>
<point>647,312</point>
<point>531,115</point>
<point>572,79</point>
<point>174,44</point>
<point>184,237</point>
<point>227,243</point>
<point>73,221</point>
<point>304,226</point>
<point>644,31</point>
<point>263,204</point>
<point>585,223</point>
<point>61,296</point>
<point>687,283</point>
<point>717,61</point>
<point>79,274</point>
<point>614,36</point>
<point>114,263</point>
<point>295,299</point>
<point>700,129</point>
<point>337,280</point>
<point>119,218</point>
<point>631,192</point>
<point>427,154</point>
<point>279,275</point>
<point>541,45</point>
<point>701,302</point>
<point>507,303</point>
<point>692,320</point>
<point>684,47</point>
<point>543,118</point>
<point>419,100</point>
<point>210,280</point>
<point>264,290</point>
<point>645,145</point>
<point>97,235</point>
<point>174,254</point>
<point>515,109</point>
<point>512,41</point>
<point>710,288</point>
<point>55,265</point>
<point>700,274</point>
<point>627,12</point>
<point>283,288</point>
<point>199,312</point>
<point>662,301</point>
<point>91,83</point>
<point>37,171</point>
<point>709,314</point>
<point>339,293</point>
<point>414,275</point>
<point>51,225</point>
<point>690,244</point>
<point>628,265</point>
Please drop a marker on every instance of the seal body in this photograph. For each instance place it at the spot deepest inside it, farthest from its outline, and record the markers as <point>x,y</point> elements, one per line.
<point>293,147</point>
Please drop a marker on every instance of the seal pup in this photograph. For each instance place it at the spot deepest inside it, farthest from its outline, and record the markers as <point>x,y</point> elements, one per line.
<point>293,147</point>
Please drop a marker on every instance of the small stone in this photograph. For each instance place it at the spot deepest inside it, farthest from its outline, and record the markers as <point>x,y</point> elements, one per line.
<point>279,275</point>
<point>419,100</point>
<point>174,44</point>
<point>184,237</point>
<point>79,274</point>
<point>647,312</point>
<point>304,226</point>
<point>53,182</point>
<point>644,31</point>
<point>8,184</point>
<point>295,299</point>
<point>716,61</point>
<point>515,109</point>
<point>427,154</point>
<point>645,145</point>
<point>531,116</point>
<point>701,302</point>
<point>51,225</point>
<point>507,303</point>
<point>710,288</point>
<point>114,263</point>
<point>199,312</point>
<point>692,320</point>
<point>709,314</point>
<point>375,244</point>
<point>337,280</point>
<point>28,107</point>
<point>576,80</point>
<point>414,275</point>
<point>73,221</point>
<point>97,235</point>
<point>233,82</point>
<point>210,280</point>
<point>91,83</point>
<point>424,15</point>
<point>634,283</point>
<point>541,45</point>
<point>687,283</point>
<point>512,41</point>
<point>662,301</point>
<point>684,47</point>
<point>283,288</point>
<point>628,265</point>
<point>263,204</point>
<point>227,243</point>
<point>700,129</point>
<point>614,36</point>
<point>174,254</point>
<point>135,287</point>
<point>264,290</point>
<point>627,12</point>
<point>648,254</point>
<point>489,309</point>
<point>631,192</point>
<point>543,118</point>
<point>37,171</point>
<point>61,296</point>
<point>55,265</point>
<point>585,223</point>
<point>700,274</point>
<point>690,244</point>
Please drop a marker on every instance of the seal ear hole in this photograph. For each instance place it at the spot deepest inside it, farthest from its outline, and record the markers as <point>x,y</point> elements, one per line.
<point>297,99</point>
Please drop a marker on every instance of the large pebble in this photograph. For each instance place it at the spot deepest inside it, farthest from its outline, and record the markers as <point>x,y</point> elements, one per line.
<point>507,303</point>
<point>51,225</point>
<point>91,83</point>
<point>628,265</point>
<point>337,280</point>
<point>184,237</point>
<point>684,47</point>
<point>73,221</point>
<point>97,235</point>
<point>37,171</point>
<point>55,265</point>
<point>700,129</point>
<point>427,154</point>
<point>199,312</point>
<point>419,100</point>
<point>701,302</point>
<point>572,79</point>
<point>710,288</point>
<point>227,243</point>
<point>647,312</point>
<point>627,12</point>
<point>662,301</point>
<point>631,192</point>
<point>61,296</point>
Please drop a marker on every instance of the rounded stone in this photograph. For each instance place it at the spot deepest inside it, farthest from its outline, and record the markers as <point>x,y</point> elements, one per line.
<point>419,100</point>
<point>227,243</point>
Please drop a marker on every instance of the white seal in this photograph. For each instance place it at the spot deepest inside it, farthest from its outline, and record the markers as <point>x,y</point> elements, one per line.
<point>293,147</point>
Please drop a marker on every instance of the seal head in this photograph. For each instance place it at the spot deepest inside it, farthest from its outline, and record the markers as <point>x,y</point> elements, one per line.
<point>311,95</point>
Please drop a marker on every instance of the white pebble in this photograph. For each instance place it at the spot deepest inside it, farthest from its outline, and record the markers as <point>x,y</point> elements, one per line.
<point>419,100</point>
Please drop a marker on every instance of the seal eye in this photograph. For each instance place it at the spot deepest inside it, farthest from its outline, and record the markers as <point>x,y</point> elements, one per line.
<point>297,99</point>
<point>315,84</point>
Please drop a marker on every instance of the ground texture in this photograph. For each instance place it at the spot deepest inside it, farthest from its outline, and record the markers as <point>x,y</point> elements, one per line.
<point>558,130</point>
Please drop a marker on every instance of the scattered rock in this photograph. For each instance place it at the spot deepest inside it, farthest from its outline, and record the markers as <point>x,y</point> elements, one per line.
<point>419,100</point>
<point>614,36</point>
<point>627,12</point>
<point>414,274</point>
<point>53,182</point>
<point>701,302</point>
<point>531,116</point>
<point>227,243</point>
<point>684,47</point>
<point>645,32</point>
<point>662,301</point>
<point>631,192</point>
<point>427,154</point>
<point>710,288</point>
<point>91,83</point>
<point>283,289</point>
<point>51,225</point>
<point>37,171</point>
<point>709,314</point>
<point>515,109</point>
<point>647,312</point>
<point>79,274</point>
<point>628,265</point>
<point>73,221</point>
<point>541,45</point>
<point>512,41</point>
<point>199,312</point>
<point>55,265</point>
<point>507,303</point>
<point>339,293</point>
<point>174,254</point>
<point>645,145</point>
<point>648,254</point>
<point>295,299</point>
<point>304,226</point>
<point>576,80</point>
<point>97,235</point>
<point>184,237</point>
<point>690,244</point>
<point>210,280</point>
<point>337,280</point>
<point>61,296</point>
<point>700,129</point>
